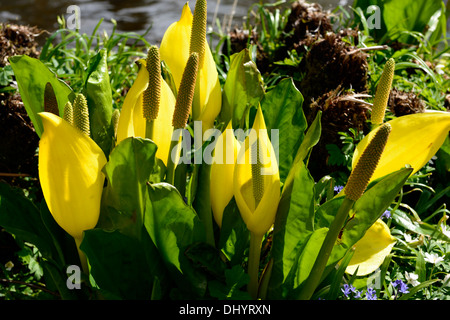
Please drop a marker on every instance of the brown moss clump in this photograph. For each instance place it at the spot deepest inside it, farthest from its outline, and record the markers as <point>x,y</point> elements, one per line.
<point>306,23</point>
<point>340,112</point>
<point>18,149</point>
<point>18,40</point>
<point>332,62</point>
<point>402,103</point>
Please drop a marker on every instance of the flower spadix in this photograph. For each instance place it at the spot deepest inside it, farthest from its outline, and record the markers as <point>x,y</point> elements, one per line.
<point>371,249</point>
<point>181,39</point>
<point>149,87</point>
<point>222,172</point>
<point>413,140</point>
<point>256,179</point>
<point>70,173</point>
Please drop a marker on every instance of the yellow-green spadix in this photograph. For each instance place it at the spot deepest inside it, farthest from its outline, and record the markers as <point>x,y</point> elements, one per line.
<point>414,140</point>
<point>132,122</point>
<point>70,173</point>
<point>256,179</point>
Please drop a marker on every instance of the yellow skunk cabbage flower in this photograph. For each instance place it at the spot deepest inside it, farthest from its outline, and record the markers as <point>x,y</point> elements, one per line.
<point>175,51</point>
<point>257,179</point>
<point>70,172</point>
<point>132,122</point>
<point>413,140</point>
<point>371,249</point>
<point>222,172</point>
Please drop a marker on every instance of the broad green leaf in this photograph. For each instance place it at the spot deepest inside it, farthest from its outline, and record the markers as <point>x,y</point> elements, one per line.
<point>293,226</point>
<point>243,89</point>
<point>118,264</point>
<point>309,255</point>
<point>173,226</point>
<point>234,235</point>
<point>398,16</point>
<point>283,113</point>
<point>98,93</point>
<point>131,165</point>
<point>32,75</point>
<point>19,216</point>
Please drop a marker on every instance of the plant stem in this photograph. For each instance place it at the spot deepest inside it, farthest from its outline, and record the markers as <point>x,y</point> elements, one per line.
<point>149,128</point>
<point>170,176</point>
<point>253,264</point>
<point>202,202</point>
<point>318,268</point>
<point>83,258</point>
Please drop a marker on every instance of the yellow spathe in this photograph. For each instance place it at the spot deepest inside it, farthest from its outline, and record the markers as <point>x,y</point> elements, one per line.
<point>132,122</point>
<point>174,50</point>
<point>222,172</point>
<point>371,249</point>
<point>70,173</point>
<point>258,217</point>
<point>413,140</point>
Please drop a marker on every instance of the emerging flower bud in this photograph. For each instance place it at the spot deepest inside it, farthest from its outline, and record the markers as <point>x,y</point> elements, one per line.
<point>50,102</point>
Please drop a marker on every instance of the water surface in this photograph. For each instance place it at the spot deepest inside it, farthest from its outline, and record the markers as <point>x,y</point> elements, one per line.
<point>136,15</point>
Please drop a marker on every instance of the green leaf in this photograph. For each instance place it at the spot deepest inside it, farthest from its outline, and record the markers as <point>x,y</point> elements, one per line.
<point>399,16</point>
<point>243,89</point>
<point>282,109</point>
<point>19,216</point>
<point>131,165</point>
<point>292,228</point>
<point>367,210</point>
<point>234,235</point>
<point>98,93</point>
<point>118,264</point>
<point>32,76</point>
<point>173,226</point>
<point>402,219</point>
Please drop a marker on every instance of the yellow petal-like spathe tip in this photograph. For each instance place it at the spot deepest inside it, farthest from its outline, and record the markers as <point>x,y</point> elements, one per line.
<point>125,127</point>
<point>414,140</point>
<point>258,217</point>
<point>174,50</point>
<point>371,249</point>
<point>70,173</point>
<point>222,172</point>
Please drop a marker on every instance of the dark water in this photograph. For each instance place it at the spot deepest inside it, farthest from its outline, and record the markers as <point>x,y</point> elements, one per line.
<point>136,15</point>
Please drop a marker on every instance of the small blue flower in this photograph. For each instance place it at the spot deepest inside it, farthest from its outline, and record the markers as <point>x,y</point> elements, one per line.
<point>371,294</point>
<point>403,287</point>
<point>386,214</point>
<point>357,294</point>
<point>338,188</point>
<point>347,290</point>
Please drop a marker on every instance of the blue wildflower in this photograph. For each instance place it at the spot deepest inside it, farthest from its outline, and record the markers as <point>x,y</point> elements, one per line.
<point>338,188</point>
<point>386,214</point>
<point>347,290</point>
<point>402,287</point>
<point>371,294</point>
